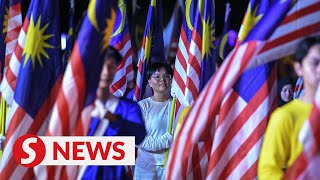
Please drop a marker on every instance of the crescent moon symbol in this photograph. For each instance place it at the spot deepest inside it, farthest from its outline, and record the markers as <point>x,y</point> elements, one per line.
<point>188,4</point>
<point>222,44</point>
<point>92,14</point>
<point>123,11</point>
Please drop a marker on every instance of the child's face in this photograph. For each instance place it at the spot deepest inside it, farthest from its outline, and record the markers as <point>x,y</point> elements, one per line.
<point>109,69</point>
<point>309,69</point>
<point>160,81</point>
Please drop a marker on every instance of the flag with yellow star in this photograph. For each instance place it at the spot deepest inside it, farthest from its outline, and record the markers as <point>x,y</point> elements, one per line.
<point>79,85</point>
<point>38,81</point>
<point>83,71</point>
<point>202,52</point>
<point>41,56</point>
<point>209,51</point>
<point>152,49</point>
<point>237,133</point>
<point>120,39</point>
<point>255,11</point>
<point>182,56</point>
<point>224,44</point>
<point>252,89</point>
<point>200,68</point>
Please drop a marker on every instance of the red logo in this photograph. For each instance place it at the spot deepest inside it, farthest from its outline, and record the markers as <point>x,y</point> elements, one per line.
<point>29,150</point>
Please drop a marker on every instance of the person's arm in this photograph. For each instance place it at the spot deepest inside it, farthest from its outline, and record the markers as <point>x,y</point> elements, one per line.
<point>155,144</point>
<point>275,150</point>
<point>129,122</point>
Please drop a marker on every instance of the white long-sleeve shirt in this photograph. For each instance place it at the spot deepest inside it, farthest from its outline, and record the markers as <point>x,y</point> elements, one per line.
<point>156,116</point>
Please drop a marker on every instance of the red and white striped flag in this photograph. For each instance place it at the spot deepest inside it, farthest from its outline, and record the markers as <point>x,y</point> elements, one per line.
<point>244,112</point>
<point>302,21</point>
<point>72,109</point>
<point>195,63</point>
<point>172,33</point>
<point>32,106</point>
<point>307,164</point>
<point>182,55</point>
<point>120,39</point>
<point>13,28</point>
<point>201,119</point>
<point>14,47</point>
<point>152,50</point>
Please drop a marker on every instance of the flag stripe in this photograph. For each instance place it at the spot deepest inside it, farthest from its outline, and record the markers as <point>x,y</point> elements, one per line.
<point>300,24</point>
<point>247,163</point>
<point>63,111</point>
<point>69,96</point>
<point>124,69</point>
<point>228,109</point>
<point>200,119</point>
<point>299,6</point>
<point>308,22</point>
<point>9,80</point>
<point>239,109</point>
<point>29,126</point>
<point>204,113</point>
<point>238,129</point>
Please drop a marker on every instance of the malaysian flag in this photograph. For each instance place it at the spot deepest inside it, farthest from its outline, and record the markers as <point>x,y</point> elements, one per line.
<point>307,164</point>
<point>224,45</point>
<point>11,10</point>
<point>71,112</point>
<point>120,39</point>
<point>201,118</point>
<point>254,13</point>
<point>199,65</point>
<point>2,57</point>
<point>243,116</point>
<point>152,46</point>
<point>302,21</point>
<point>41,66</point>
<point>172,35</point>
<point>14,46</point>
<point>195,62</point>
<point>179,75</point>
<point>179,72</point>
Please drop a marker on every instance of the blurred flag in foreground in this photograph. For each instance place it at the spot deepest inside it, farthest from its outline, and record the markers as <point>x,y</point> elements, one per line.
<point>41,66</point>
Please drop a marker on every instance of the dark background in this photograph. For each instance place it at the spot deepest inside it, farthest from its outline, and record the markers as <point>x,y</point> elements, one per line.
<point>238,8</point>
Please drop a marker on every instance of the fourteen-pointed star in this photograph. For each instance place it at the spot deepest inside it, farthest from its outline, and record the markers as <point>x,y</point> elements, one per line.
<point>6,20</point>
<point>249,21</point>
<point>147,45</point>
<point>208,38</point>
<point>36,42</point>
<point>107,32</point>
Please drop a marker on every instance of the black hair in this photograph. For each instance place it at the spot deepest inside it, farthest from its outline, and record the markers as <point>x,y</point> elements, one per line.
<point>112,52</point>
<point>156,67</point>
<point>304,46</point>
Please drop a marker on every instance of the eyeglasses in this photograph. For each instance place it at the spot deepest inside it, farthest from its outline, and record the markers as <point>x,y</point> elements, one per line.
<point>158,77</point>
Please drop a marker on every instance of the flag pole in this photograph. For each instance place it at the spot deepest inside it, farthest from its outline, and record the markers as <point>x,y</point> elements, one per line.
<point>172,114</point>
<point>3,115</point>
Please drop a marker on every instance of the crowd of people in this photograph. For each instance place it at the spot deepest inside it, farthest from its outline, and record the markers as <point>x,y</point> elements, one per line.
<point>149,119</point>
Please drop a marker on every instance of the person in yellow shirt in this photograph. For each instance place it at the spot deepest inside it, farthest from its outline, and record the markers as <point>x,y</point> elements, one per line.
<point>281,147</point>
